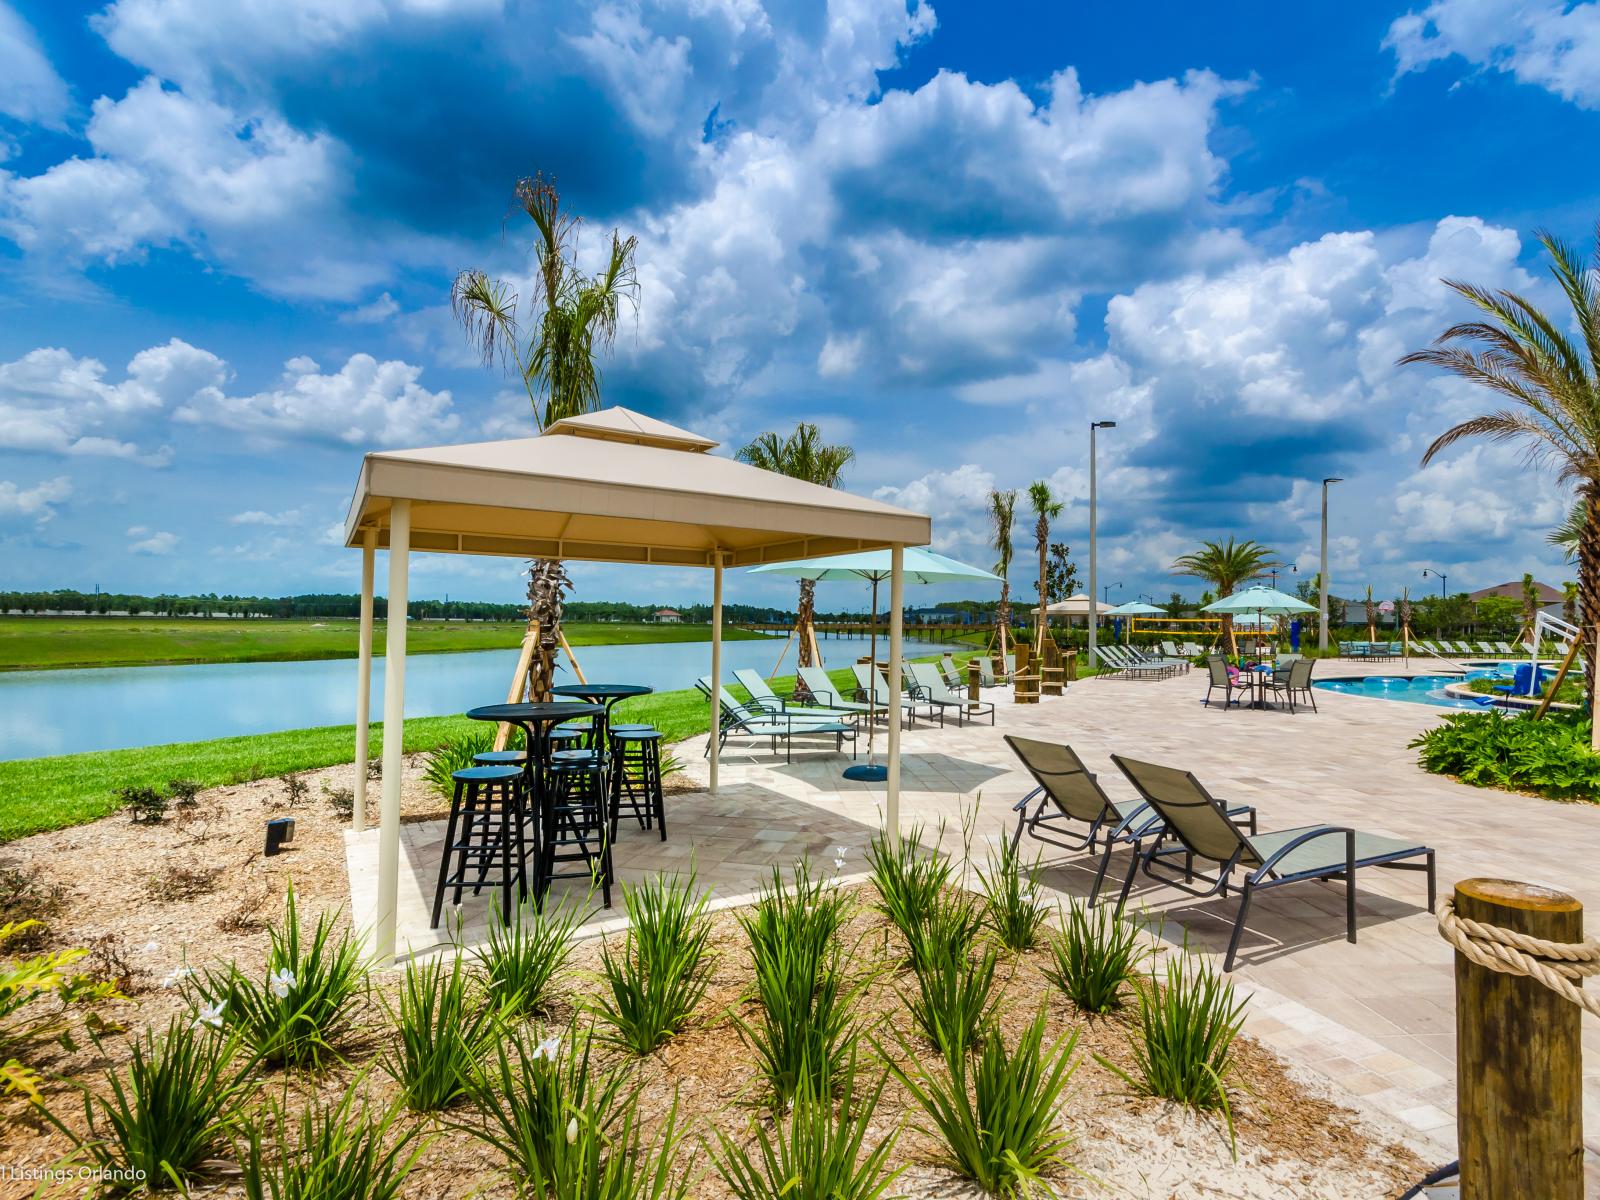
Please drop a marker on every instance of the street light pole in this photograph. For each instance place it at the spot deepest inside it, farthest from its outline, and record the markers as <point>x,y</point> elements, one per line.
<point>1442,578</point>
<point>1322,580</point>
<point>1094,612</point>
<point>1106,596</point>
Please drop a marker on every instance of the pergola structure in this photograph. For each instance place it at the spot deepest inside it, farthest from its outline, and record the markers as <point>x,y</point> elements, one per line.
<point>611,486</point>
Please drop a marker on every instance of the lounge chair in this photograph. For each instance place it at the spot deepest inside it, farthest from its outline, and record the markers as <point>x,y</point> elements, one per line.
<point>1293,679</point>
<point>953,676</point>
<point>1175,664</point>
<point>749,720</point>
<point>1218,677</point>
<point>1504,650</point>
<point>1486,649</point>
<point>868,679</point>
<point>1199,827</point>
<point>1125,664</point>
<point>1069,793</point>
<point>923,683</point>
<point>1191,650</point>
<point>762,696</point>
<point>825,692</point>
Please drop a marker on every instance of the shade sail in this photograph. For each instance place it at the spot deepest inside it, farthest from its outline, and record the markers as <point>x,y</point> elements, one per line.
<point>921,566</point>
<point>1259,600</point>
<point>616,486</point>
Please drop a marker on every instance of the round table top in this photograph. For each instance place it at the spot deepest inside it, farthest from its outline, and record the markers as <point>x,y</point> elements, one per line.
<point>602,691</point>
<point>534,714</point>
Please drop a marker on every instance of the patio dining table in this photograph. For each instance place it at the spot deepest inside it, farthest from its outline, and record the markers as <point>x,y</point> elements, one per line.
<point>605,695</point>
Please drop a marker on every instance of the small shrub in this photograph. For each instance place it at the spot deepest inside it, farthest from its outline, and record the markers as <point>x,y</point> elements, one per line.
<point>806,1024</point>
<point>183,792</point>
<point>336,1152</point>
<point>298,1013</point>
<point>245,915</point>
<point>182,881</point>
<point>1094,956</point>
<point>146,805</point>
<point>295,790</point>
<point>27,904</point>
<point>443,1028</point>
<point>341,800</point>
<point>1550,757</point>
<point>1011,898</point>
<point>664,966</point>
<point>457,753</point>
<point>524,953</point>
<point>1184,1047</point>
<point>997,1117</point>
<point>816,1154</point>
<point>168,1112</point>
<point>106,961</point>
<point>36,996</point>
<point>908,878</point>
<point>955,985</point>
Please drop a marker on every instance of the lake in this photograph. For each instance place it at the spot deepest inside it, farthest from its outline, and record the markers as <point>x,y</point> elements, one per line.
<point>66,712</point>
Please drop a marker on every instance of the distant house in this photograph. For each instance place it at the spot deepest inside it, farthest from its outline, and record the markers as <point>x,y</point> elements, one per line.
<point>1513,591</point>
<point>668,616</point>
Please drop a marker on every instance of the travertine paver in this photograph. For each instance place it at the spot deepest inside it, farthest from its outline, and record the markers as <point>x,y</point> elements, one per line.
<point>1377,1017</point>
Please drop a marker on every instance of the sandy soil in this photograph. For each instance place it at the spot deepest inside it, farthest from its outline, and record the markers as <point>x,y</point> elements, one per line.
<point>124,888</point>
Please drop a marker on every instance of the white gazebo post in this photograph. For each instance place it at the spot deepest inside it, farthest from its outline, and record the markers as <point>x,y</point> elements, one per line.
<point>716,664</point>
<point>897,597</point>
<point>394,730</point>
<point>369,552</point>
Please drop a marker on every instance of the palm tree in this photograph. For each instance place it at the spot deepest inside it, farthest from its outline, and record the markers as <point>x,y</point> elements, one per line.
<point>1046,508</point>
<point>1569,533</point>
<point>1002,516</point>
<point>1552,383</point>
<point>1372,615</point>
<point>801,455</point>
<point>1226,564</point>
<point>572,318</point>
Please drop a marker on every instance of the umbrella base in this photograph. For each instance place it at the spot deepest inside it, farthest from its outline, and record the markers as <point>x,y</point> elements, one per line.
<point>867,773</point>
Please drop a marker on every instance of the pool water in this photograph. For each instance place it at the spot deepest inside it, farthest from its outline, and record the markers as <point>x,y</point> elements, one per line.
<point>1417,689</point>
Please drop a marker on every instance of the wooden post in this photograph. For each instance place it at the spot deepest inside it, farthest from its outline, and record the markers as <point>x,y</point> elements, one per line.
<point>1072,666</point>
<point>1561,673</point>
<point>519,682</point>
<point>1519,1066</point>
<point>571,657</point>
<point>974,684</point>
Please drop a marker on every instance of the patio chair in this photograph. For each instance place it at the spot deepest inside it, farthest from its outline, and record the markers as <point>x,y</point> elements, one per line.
<point>1173,663</point>
<point>1199,827</point>
<point>952,675</point>
<point>1504,650</point>
<point>1218,677</point>
<point>1486,649</point>
<point>1170,649</point>
<point>762,696</point>
<point>923,682</point>
<point>825,692</point>
<point>748,720</point>
<point>1292,679</point>
<point>868,679</point>
<point>1191,649</point>
<point>1069,794</point>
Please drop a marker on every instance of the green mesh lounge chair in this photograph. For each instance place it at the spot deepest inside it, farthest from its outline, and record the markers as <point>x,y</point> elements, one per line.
<point>1198,827</point>
<point>826,692</point>
<point>762,695</point>
<point>748,720</point>
<point>867,678</point>
<point>1069,796</point>
<point>923,682</point>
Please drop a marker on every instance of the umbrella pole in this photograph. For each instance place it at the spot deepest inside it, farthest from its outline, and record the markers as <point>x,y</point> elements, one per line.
<point>872,678</point>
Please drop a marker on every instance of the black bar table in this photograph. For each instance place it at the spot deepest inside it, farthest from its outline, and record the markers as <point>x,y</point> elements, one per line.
<point>607,694</point>
<point>536,720</point>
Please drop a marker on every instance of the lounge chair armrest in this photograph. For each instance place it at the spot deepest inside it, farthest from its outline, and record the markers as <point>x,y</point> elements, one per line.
<point>1020,805</point>
<point>1309,835</point>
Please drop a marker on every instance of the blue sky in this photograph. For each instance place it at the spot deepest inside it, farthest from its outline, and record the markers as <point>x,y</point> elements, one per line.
<point>951,234</point>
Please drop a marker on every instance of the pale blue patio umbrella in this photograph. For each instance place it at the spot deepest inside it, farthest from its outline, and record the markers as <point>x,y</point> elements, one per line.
<point>920,566</point>
<point>1133,608</point>
<point>1260,600</point>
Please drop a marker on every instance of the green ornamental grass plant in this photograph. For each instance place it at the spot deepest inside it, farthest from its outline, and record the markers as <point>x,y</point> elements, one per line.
<point>806,1024</point>
<point>443,1027</point>
<point>661,972</point>
<point>996,1116</point>
<point>955,975</point>
<point>908,878</point>
<point>1011,898</point>
<point>816,1153</point>
<point>1094,957</point>
<point>306,1004</point>
<point>335,1152</point>
<point>169,1112</point>
<point>526,951</point>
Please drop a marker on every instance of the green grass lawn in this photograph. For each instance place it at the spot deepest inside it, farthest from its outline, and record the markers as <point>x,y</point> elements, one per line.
<point>44,643</point>
<point>40,794</point>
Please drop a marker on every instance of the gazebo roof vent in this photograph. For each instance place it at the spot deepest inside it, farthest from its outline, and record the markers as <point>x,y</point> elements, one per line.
<point>632,428</point>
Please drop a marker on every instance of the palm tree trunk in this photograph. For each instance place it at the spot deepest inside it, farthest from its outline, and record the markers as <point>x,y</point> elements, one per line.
<point>805,615</point>
<point>547,584</point>
<point>1044,599</point>
<point>1589,594</point>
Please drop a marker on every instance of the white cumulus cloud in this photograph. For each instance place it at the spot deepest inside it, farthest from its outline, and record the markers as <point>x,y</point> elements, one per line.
<point>36,503</point>
<point>157,544</point>
<point>1551,44</point>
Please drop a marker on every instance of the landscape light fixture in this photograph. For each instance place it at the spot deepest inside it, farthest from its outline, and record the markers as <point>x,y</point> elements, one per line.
<point>1094,612</point>
<point>1441,577</point>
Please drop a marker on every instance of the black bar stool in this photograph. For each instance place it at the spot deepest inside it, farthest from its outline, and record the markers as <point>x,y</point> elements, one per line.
<point>574,821</point>
<point>636,776</point>
<point>485,830</point>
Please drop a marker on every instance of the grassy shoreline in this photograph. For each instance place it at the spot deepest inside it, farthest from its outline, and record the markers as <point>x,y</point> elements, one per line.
<point>70,643</point>
<point>42,794</point>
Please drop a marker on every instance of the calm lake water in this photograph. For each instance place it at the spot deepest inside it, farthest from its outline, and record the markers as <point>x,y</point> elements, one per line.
<point>65,712</point>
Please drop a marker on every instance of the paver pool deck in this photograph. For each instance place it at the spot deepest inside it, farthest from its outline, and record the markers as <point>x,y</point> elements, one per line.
<point>1377,1017</point>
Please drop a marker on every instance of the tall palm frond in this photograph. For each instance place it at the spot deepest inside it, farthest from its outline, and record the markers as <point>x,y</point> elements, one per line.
<point>1002,518</point>
<point>1569,533</point>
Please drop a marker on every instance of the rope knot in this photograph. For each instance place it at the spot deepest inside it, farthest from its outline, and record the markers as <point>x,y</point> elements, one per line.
<point>1560,966</point>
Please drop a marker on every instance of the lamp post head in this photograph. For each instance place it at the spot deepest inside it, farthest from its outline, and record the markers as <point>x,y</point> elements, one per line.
<point>1102,424</point>
<point>1332,479</point>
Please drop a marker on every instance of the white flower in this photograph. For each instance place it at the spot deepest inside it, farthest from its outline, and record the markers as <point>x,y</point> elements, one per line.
<point>177,976</point>
<point>210,1014</point>
<point>282,982</point>
<point>548,1048</point>
<point>838,864</point>
<point>572,1131</point>
<point>841,851</point>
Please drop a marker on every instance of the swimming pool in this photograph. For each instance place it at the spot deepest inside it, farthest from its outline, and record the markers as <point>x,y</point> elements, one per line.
<point>1417,689</point>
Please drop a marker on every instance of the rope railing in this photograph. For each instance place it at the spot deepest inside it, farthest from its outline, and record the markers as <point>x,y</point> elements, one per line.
<point>1560,966</point>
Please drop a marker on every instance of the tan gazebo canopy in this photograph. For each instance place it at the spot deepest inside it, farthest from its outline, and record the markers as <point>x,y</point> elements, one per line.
<point>611,486</point>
